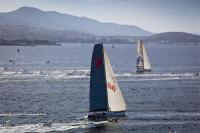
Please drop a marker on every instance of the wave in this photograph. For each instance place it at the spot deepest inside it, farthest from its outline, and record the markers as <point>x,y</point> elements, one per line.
<point>81,125</point>
<point>22,114</point>
<point>150,123</point>
<point>68,74</point>
<point>157,74</point>
<point>49,127</point>
<point>44,74</point>
<point>152,79</point>
<point>41,127</point>
<point>133,119</point>
<point>163,115</point>
<point>93,124</point>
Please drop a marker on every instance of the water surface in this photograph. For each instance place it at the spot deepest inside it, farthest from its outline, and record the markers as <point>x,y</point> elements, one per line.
<point>50,84</point>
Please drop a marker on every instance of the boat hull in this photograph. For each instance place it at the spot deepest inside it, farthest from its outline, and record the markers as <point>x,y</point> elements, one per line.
<point>105,115</point>
<point>142,70</point>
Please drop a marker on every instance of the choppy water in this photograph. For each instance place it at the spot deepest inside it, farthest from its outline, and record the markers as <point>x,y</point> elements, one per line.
<point>35,93</point>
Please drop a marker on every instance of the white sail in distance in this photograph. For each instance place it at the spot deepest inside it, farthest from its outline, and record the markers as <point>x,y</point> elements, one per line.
<point>139,49</point>
<point>143,63</point>
<point>140,54</point>
<point>116,101</point>
<point>147,65</point>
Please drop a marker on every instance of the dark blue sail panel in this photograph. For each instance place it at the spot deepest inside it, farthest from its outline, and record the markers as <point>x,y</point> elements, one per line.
<point>98,93</point>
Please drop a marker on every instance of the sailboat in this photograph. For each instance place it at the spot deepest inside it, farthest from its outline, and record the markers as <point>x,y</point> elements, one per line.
<point>143,64</point>
<point>106,99</point>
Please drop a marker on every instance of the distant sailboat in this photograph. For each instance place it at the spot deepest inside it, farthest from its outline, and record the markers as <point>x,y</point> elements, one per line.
<point>143,63</point>
<point>18,50</point>
<point>106,98</point>
<point>113,46</point>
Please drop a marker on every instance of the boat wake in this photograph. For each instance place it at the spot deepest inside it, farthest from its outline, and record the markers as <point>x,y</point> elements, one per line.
<point>42,127</point>
<point>139,118</point>
<point>93,124</point>
<point>49,127</point>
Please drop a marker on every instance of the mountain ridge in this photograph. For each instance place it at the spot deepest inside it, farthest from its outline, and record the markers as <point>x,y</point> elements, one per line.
<point>59,21</point>
<point>173,37</point>
<point>20,32</point>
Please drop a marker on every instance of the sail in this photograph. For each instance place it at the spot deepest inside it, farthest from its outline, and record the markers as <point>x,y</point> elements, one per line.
<point>147,65</point>
<point>116,101</point>
<point>143,63</point>
<point>139,49</point>
<point>140,64</point>
<point>98,91</point>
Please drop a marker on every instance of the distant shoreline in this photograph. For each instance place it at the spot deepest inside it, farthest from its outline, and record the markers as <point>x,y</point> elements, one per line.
<point>26,42</point>
<point>32,45</point>
<point>85,43</point>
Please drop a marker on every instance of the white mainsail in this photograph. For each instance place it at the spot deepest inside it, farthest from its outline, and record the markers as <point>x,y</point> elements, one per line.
<point>115,99</point>
<point>140,54</point>
<point>139,49</point>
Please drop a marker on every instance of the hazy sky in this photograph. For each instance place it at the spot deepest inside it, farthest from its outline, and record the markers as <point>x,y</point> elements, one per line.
<point>152,15</point>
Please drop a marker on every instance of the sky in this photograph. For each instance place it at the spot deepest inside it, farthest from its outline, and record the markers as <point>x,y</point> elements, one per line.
<point>152,15</point>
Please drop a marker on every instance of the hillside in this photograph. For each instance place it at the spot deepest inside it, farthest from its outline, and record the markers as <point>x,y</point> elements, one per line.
<point>52,20</point>
<point>35,24</point>
<point>19,32</point>
<point>173,37</point>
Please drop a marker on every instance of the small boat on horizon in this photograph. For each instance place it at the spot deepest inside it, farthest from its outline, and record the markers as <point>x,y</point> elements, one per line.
<point>47,62</point>
<point>18,50</point>
<point>113,46</point>
<point>142,62</point>
<point>106,99</point>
